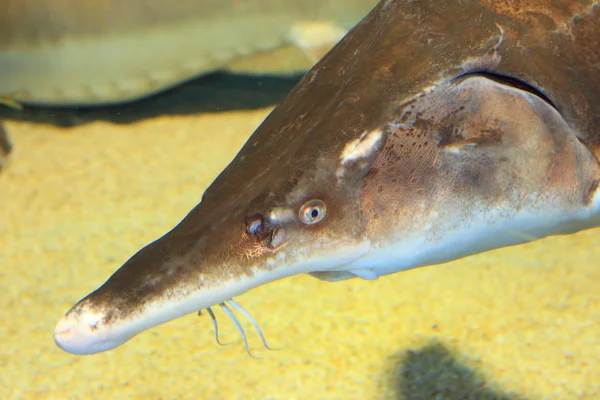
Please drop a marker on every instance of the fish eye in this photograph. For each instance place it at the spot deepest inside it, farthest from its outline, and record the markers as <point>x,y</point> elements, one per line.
<point>312,212</point>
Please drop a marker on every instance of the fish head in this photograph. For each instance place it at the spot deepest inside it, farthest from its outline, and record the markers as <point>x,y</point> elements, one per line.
<point>463,167</point>
<point>471,164</point>
<point>419,139</point>
<point>261,220</point>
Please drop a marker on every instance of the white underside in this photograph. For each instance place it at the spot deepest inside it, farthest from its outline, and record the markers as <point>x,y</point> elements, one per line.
<point>415,252</point>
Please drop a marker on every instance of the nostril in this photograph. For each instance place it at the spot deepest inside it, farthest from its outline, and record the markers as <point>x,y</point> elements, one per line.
<point>277,238</point>
<point>254,224</point>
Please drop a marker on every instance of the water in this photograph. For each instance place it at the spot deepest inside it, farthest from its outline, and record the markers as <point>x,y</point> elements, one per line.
<point>85,188</point>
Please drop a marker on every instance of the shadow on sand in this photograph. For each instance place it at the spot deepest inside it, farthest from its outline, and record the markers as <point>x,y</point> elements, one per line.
<point>208,94</point>
<point>434,373</point>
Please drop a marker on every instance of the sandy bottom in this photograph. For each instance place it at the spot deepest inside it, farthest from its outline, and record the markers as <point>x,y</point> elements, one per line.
<point>76,202</point>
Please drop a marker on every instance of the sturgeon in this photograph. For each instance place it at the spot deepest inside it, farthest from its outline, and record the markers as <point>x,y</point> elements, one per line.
<point>434,130</point>
<point>71,52</point>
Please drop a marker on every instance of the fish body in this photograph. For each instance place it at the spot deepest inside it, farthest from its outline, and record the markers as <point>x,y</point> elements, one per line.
<point>69,52</point>
<point>424,136</point>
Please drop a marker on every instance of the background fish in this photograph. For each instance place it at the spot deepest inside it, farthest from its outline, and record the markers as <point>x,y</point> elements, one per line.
<point>69,52</point>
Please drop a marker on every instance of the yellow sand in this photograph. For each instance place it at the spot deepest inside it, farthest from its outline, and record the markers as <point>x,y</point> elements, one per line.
<point>75,203</point>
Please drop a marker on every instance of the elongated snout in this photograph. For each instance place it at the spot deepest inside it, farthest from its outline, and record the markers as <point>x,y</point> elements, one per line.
<point>168,278</point>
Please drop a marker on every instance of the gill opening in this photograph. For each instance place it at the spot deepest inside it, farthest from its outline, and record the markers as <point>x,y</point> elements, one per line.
<point>510,81</point>
<point>237,307</point>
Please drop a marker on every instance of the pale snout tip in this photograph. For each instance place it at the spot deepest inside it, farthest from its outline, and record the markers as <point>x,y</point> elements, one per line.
<point>77,336</point>
<point>65,335</point>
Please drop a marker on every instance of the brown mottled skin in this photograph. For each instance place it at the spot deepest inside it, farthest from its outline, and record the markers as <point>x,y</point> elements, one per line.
<point>450,141</point>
